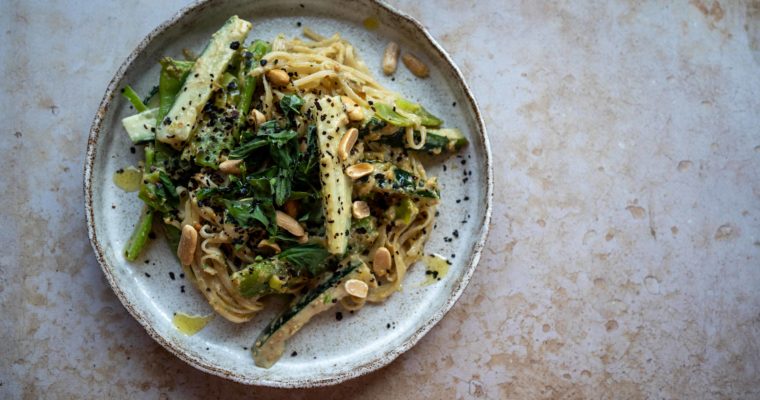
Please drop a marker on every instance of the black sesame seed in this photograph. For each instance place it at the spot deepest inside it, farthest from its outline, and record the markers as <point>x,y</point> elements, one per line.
<point>235,45</point>
<point>338,315</point>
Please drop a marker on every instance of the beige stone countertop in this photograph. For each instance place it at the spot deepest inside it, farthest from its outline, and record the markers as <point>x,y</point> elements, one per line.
<point>624,254</point>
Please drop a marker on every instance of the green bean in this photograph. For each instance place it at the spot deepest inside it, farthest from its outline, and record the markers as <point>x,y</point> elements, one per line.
<point>133,98</point>
<point>139,237</point>
<point>173,74</point>
<point>257,49</point>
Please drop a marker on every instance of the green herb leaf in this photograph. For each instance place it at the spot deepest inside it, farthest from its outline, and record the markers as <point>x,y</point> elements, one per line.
<point>258,215</point>
<point>282,137</point>
<point>245,149</point>
<point>259,48</point>
<point>291,105</point>
<point>241,211</point>
<point>282,186</point>
<point>306,258</point>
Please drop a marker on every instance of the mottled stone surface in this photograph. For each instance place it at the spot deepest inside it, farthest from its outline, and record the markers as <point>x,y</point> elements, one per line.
<point>624,258</point>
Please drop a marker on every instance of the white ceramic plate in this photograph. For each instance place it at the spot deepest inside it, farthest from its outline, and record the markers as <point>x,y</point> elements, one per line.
<point>328,351</point>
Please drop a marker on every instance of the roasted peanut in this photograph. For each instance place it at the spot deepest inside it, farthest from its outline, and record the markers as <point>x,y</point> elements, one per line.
<point>381,261</point>
<point>353,110</point>
<point>291,208</point>
<point>256,117</point>
<point>230,167</point>
<point>357,171</point>
<point>356,288</point>
<point>417,67</point>
<point>347,143</point>
<point>390,58</point>
<point>187,244</point>
<point>278,77</point>
<point>272,246</point>
<point>360,209</point>
<point>289,223</point>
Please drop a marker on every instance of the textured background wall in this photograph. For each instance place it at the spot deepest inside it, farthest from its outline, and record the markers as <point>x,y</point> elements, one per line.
<point>624,258</point>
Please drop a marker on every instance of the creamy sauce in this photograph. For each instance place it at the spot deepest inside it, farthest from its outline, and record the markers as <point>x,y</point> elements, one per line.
<point>371,23</point>
<point>190,324</point>
<point>437,268</point>
<point>128,179</point>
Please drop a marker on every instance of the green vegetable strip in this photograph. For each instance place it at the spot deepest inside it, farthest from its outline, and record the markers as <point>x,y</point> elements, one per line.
<point>388,114</point>
<point>257,49</point>
<point>178,124</point>
<point>149,97</point>
<point>172,236</point>
<point>133,98</point>
<point>173,74</point>
<point>426,117</point>
<point>139,237</point>
<point>336,186</point>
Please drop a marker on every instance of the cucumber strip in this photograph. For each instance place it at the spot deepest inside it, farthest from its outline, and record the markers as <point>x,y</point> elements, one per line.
<point>208,69</point>
<point>336,186</point>
<point>141,127</point>
<point>270,345</point>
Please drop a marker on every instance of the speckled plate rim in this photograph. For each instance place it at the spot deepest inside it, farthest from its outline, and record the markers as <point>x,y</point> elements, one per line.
<point>371,364</point>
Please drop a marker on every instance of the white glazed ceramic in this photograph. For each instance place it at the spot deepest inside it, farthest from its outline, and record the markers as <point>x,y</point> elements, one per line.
<point>328,351</point>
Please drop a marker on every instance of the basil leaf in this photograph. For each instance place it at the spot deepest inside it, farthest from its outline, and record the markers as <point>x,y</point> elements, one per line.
<point>282,137</point>
<point>241,211</point>
<point>258,215</point>
<point>291,105</point>
<point>306,258</point>
<point>282,186</point>
<point>247,148</point>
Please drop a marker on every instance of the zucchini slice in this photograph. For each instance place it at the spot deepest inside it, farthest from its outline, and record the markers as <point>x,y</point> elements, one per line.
<point>437,141</point>
<point>270,344</point>
<point>141,127</point>
<point>389,179</point>
<point>205,75</point>
<point>336,186</point>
